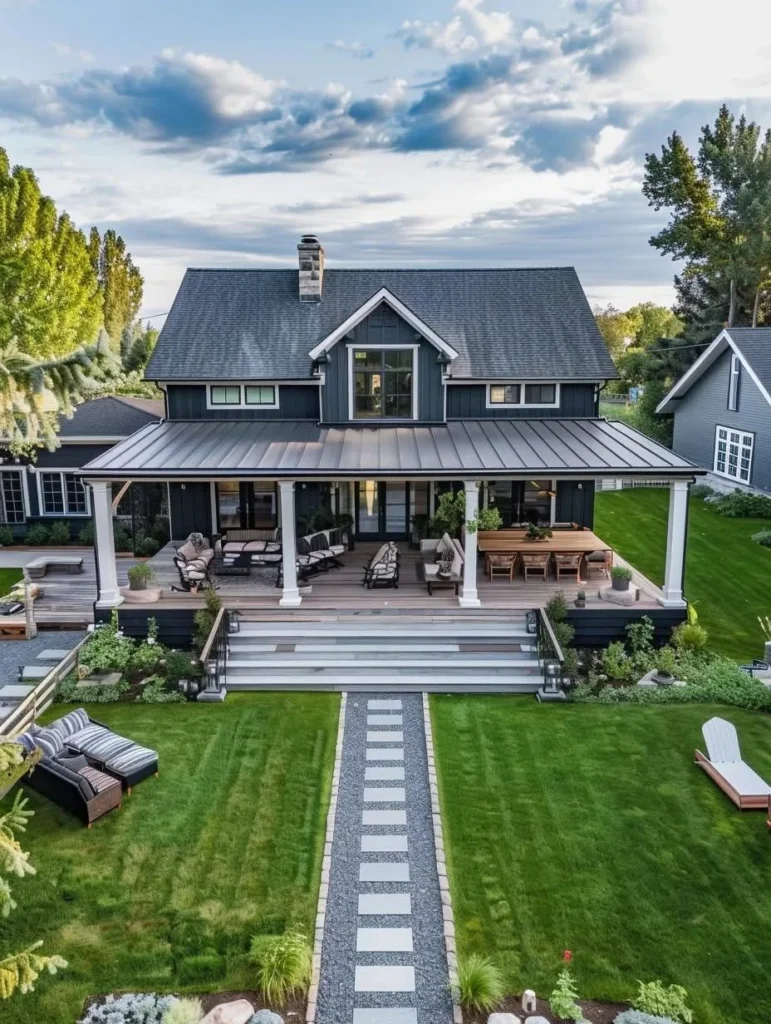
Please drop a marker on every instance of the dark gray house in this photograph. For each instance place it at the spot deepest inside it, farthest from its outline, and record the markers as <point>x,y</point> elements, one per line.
<point>722,410</point>
<point>372,391</point>
<point>50,489</point>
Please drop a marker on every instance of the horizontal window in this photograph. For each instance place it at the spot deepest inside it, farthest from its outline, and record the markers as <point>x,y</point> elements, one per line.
<point>11,497</point>
<point>62,494</point>
<point>242,396</point>
<point>535,395</point>
<point>733,454</point>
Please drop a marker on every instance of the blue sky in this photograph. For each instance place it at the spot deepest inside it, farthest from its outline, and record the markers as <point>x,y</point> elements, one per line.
<point>472,133</point>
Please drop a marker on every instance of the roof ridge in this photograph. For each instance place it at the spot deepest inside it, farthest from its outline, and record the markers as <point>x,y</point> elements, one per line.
<point>383,270</point>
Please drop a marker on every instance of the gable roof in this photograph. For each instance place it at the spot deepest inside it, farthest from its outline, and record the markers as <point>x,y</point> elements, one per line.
<point>113,416</point>
<point>251,325</point>
<point>753,347</point>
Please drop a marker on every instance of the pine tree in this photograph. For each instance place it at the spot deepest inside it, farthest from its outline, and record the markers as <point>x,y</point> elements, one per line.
<point>19,971</point>
<point>120,282</point>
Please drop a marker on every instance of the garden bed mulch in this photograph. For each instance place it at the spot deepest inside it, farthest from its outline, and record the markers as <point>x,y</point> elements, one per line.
<point>293,1012</point>
<point>596,1013</point>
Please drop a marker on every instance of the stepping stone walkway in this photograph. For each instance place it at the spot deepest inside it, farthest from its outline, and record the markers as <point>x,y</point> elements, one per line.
<point>383,957</point>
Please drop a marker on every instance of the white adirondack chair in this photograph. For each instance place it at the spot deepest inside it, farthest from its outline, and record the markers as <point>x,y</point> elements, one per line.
<point>724,765</point>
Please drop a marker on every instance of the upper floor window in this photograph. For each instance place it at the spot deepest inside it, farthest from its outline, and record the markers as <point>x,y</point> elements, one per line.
<point>242,396</point>
<point>733,453</point>
<point>11,497</point>
<point>383,383</point>
<point>62,494</point>
<point>733,384</point>
<point>543,396</point>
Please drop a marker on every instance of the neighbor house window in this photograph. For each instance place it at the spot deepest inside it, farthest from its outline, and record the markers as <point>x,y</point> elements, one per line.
<point>11,497</point>
<point>62,494</point>
<point>733,454</point>
<point>243,396</point>
<point>733,384</point>
<point>383,381</point>
<point>536,395</point>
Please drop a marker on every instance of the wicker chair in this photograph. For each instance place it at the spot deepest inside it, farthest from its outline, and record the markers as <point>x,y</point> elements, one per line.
<point>500,564</point>
<point>599,563</point>
<point>537,565</point>
<point>568,564</point>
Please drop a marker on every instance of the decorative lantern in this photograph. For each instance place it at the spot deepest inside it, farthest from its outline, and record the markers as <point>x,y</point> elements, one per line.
<point>528,1001</point>
<point>531,622</point>
<point>234,624</point>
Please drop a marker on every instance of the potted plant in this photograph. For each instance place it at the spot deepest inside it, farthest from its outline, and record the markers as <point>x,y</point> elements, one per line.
<point>444,569</point>
<point>765,625</point>
<point>537,532</point>
<point>139,589</point>
<point>620,577</point>
<point>580,601</point>
<point>665,667</point>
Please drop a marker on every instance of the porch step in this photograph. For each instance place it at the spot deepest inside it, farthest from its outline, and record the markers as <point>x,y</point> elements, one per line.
<point>333,646</point>
<point>398,630</point>
<point>389,681</point>
<point>358,662</point>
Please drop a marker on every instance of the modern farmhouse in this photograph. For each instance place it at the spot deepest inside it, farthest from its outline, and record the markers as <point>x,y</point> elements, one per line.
<point>362,396</point>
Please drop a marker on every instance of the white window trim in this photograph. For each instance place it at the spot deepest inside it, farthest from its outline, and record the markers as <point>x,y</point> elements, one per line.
<point>39,470</point>
<point>743,435</point>
<point>733,383</point>
<point>521,384</point>
<point>415,349</point>
<point>24,490</point>
<point>242,404</point>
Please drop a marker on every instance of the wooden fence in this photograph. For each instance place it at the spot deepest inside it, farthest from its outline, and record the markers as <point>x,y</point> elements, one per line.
<point>35,703</point>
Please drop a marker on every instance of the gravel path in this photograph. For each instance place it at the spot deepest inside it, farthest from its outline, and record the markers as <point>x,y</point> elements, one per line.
<point>383,956</point>
<point>14,653</point>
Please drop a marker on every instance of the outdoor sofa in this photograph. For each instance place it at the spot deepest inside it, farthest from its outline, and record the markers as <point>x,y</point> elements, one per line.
<point>193,561</point>
<point>433,552</point>
<point>382,570</point>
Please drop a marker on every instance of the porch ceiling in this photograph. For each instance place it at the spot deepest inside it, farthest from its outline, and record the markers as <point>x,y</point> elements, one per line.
<point>470,448</point>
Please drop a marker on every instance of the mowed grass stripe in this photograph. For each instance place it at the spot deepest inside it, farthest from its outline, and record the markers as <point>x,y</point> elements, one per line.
<point>168,892</point>
<point>590,828</point>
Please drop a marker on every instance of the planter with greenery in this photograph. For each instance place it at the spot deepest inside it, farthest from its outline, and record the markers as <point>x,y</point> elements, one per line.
<point>581,599</point>
<point>620,577</point>
<point>665,667</point>
<point>140,579</point>
<point>538,532</point>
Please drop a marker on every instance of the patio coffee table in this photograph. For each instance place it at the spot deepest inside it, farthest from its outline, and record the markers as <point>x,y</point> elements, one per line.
<point>239,566</point>
<point>443,581</point>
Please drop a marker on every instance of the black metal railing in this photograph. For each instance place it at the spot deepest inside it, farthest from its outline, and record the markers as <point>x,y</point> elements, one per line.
<point>214,656</point>
<point>551,658</point>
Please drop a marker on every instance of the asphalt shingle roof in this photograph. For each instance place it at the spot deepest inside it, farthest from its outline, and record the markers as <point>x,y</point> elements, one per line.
<point>754,343</point>
<point>250,324</point>
<point>112,416</point>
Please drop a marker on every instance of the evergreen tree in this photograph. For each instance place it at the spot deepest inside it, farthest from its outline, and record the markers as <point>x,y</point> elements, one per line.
<point>120,282</point>
<point>49,294</point>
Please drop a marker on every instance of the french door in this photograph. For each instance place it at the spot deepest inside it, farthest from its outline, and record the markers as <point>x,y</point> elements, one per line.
<point>382,510</point>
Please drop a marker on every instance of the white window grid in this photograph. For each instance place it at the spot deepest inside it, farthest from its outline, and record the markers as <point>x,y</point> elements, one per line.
<point>515,396</point>
<point>62,493</point>
<point>242,396</point>
<point>733,454</point>
<point>13,506</point>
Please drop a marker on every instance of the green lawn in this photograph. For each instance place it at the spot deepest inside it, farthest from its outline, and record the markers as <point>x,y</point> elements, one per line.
<point>7,579</point>
<point>589,828</point>
<point>166,893</point>
<point>727,574</point>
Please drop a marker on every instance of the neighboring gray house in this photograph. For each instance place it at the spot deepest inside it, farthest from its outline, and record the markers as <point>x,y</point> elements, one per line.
<point>722,410</point>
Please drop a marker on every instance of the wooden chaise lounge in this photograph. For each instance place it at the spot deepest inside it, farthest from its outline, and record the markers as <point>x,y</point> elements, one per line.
<point>724,765</point>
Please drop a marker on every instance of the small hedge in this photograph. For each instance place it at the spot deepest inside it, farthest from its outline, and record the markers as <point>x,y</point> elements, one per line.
<point>742,505</point>
<point>763,537</point>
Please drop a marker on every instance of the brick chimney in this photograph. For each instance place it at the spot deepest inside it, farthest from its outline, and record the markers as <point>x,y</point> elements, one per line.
<point>311,256</point>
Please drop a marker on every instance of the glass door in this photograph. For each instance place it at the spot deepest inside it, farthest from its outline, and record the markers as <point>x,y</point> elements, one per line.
<point>381,510</point>
<point>368,507</point>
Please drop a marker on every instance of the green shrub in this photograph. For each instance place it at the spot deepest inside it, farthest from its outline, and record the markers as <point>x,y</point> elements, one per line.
<point>68,692</point>
<point>178,665</point>
<point>557,608</point>
<point>204,619</point>
<point>283,965</point>
<point>184,1011</point>
<point>562,1001</point>
<point>487,519</point>
<point>6,536</point>
<point>141,576</point>
<point>689,636</point>
<point>157,691</point>
<point>60,532</point>
<point>146,547</point>
<point>37,534</point>
<point>763,537</point>
<point>742,505</point>
<point>480,982</point>
<point>655,998</point>
<point>86,536</point>
<point>621,572</point>
<point>702,491</point>
<point>121,537</point>
<point>107,650</point>
<point>615,663</point>
<point>665,661</point>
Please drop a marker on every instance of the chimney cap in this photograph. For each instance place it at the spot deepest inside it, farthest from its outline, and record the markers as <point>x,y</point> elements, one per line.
<point>310,240</point>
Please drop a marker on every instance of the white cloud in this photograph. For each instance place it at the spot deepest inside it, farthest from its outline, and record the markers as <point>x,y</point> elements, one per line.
<point>65,50</point>
<point>445,37</point>
<point>491,27</point>
<point>355,49</point>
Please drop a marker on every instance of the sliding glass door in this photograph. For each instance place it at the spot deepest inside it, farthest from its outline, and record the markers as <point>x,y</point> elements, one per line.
<point>382,510</point>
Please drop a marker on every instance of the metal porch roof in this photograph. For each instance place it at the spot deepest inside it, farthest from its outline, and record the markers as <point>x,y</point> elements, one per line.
<point>207,449</point>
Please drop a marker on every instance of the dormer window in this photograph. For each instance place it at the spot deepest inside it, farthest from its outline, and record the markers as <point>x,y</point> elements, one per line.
<point>517,396</point>
<point>242,396</point>
<point>382,382</point>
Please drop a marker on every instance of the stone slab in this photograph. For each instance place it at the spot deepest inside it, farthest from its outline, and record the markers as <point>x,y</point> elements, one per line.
<point>35,671</point>
<point>384,844</point>
<point>386,1015</point>
<point>54,654</point>
<point>385,736</point>
<point>384,705</point>
<point>503,1018</point>
<point>385,904</point>
<point>622,597</point>
<point>15,691</point>
<point>390,720</point>
<point>384,818</point>
<point>237,1012</point>
<point>384,871</point>
<point>386,774</point>
<point>385,979</point>
<point>99,679</point>
<point>384,940</point>
<point>386,754</point>
<point>384,795</point>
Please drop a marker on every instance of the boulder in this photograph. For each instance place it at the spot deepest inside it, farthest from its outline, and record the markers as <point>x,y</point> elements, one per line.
<point>536,1020</point>
<point>237,1012</point>
<point>504,1018</point>
<point>266,1017</point>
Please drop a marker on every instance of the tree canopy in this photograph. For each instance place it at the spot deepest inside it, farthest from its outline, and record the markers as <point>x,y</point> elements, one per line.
<point>639,326</point>
<point>120,282</point>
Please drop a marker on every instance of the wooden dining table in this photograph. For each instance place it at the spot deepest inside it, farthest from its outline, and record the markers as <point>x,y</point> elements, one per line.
<point>510,542</point>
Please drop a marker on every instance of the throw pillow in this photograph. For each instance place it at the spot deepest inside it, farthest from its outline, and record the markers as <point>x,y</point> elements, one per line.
<point>74,763</point>
<point>49,742</point>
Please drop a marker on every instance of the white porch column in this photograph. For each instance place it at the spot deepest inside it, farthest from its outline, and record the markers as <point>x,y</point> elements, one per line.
<point>101,500</point>
<point>676,530</point>
<point>468,597</point>
<point>291,594</point>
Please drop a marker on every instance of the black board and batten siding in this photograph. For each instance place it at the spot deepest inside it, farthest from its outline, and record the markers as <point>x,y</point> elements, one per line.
<point>598,627</point>
<point>469,402</point>
<point>382,327</point>
<point>575,502</point>
<point>190,510</point>
<point>175,625</point>
<point>295,401</point>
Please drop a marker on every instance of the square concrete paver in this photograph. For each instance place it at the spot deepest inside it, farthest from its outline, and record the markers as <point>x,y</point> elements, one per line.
<point>384,871</point>
<point>384,940</point>
<point>385,736</point>
<point>386,754</point>
<point>384,818</point>
<point>385,904</point>
<point>384,795</point>
<point>388,1015</point>
<point>53,654</point>
<point>15,691</point>
<point>384,844</point>
<point>385,979</point>
<point>387,774</point>
<point>391,720</point>
<point>384,705</point>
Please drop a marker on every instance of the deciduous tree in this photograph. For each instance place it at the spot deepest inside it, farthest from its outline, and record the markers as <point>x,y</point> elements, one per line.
<point>120,282</point>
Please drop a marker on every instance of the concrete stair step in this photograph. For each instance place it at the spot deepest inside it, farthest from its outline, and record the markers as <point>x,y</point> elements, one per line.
<point>392,682</point>
<point>375,646</point>
<point>360,662</point>
<point>370,630</point>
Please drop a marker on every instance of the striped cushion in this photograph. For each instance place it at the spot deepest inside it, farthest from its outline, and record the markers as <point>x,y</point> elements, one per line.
<point>73,722</point>
<point>97,742</point>
<point>132,760</point>
<point>49,741</point>
<point>27,740</point>
<point>99,781</point>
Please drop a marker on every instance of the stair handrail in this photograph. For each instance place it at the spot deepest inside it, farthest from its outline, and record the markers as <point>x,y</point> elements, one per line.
<point>549,649</point>
<point>214,654</point>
